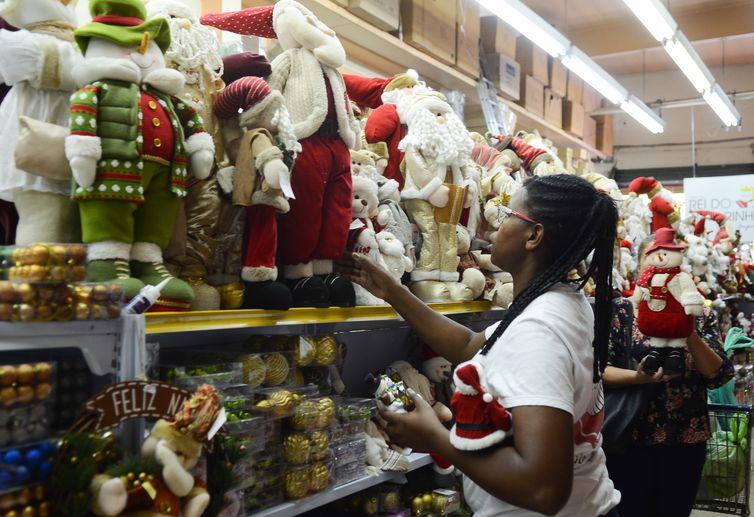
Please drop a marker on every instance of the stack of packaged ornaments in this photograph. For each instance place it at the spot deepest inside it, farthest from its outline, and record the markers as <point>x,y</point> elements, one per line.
<point>44,282</point>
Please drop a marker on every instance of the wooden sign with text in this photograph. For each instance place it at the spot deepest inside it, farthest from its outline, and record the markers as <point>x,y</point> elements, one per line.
<point>135,399</point>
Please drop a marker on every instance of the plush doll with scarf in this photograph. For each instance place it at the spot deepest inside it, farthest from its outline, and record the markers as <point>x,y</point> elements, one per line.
<point>257,141</point>
<point>315,230</point>
<point>195,52</point>
<point>666,301</point>
<point>132,146</point>
<point>37,62</point>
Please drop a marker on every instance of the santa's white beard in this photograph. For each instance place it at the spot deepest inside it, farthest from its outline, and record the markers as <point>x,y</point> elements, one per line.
<point>192,50</point>
<point>448,143</point>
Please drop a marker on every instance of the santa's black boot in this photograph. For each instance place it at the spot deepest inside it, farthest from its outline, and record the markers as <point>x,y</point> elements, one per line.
<point>267,295</point>
<point>653,361</point>
<point>674,362</point>
<point>309,292</point>
<point>340,290</point>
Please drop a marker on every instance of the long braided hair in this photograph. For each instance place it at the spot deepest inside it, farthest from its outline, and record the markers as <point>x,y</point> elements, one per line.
<point>578,221</point>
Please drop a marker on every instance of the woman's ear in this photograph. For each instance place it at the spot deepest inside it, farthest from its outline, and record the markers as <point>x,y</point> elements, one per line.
<point>534,237</point>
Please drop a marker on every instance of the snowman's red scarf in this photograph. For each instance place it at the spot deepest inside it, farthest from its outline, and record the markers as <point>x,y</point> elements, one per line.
<point>650,271</point>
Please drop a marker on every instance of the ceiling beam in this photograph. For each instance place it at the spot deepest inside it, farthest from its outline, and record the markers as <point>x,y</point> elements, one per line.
<point>717,20</point>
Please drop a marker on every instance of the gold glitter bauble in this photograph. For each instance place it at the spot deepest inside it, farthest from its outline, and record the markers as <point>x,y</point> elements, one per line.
<point>231,295</point>
<point>280,403</point>
<point>254,370</point>
<point>325,412</point>
<point>296,483</point>
<point>277,369</point>
<point>29,511</point>
<point>303,351</point>
<point>320,441</point>
<point>305,417</point>
<point>417,505</point>
<point>296,448</point>
<point>319,477</point>
<point>327,350</point>
<point>427,501</point>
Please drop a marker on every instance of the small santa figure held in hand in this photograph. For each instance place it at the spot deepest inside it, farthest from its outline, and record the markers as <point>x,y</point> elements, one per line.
<point>481,421</point>
<point>666,301</point>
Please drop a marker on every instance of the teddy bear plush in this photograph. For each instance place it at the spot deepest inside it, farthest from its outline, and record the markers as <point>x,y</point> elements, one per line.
<point>131,147</point>
<point>666,300</point>
<point>37,63</point>
<point>177,446</point>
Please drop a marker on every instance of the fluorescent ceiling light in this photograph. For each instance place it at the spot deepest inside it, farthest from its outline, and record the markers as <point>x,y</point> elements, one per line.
<point>655,18</point>
<point>530,24</point>
<point>721,105</point>
<point>643,115</point>
<point>684,55</point>
<point>659,22</point>
<point>546,37</point>
<point>583,66</point>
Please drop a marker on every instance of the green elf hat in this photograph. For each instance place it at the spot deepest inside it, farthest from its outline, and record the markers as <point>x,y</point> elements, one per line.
<point>124,22</point>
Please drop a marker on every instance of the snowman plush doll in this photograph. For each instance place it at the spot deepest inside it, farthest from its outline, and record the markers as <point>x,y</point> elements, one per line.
<point>666,301</point>
<point>131,147</point>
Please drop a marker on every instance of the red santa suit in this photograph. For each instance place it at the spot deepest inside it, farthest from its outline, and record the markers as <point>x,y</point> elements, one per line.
<point>664,212</point>
<point>384,125</point>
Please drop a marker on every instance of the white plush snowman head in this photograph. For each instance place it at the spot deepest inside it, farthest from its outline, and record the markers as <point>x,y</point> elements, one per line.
<point>664,258</point>
<point>22,13</point>
<point>147,58</point>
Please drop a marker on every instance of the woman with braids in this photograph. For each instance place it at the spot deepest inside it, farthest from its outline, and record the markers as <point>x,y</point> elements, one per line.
<point>542,361</point>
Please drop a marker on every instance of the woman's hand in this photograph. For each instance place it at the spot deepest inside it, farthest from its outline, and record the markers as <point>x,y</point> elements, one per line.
<point>364,271</point>
<point>644,377</point>
<point>417,429</point>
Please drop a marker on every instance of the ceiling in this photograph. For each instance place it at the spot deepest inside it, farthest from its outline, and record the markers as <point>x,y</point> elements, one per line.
<point>722,32</point>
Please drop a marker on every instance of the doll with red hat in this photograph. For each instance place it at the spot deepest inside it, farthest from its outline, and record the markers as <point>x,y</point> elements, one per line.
<point>665,211</point>
<point>666,300</point>
<point>535,160</point>
<point>481,421</point>
<point>315,230</point>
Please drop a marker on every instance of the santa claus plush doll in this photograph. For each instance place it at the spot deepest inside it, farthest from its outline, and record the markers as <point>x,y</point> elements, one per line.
<point>194,51</point>
<point>481,421</point>
<point>666,301</point>
<point>439,183</point>
<point>37,62</point>
<point>260,181</point>
<point>665,211</point>
<point>315,230</point>
<point>535,160</point>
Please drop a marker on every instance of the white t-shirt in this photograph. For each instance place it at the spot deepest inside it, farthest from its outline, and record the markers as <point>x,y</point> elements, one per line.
<point>545,358</point>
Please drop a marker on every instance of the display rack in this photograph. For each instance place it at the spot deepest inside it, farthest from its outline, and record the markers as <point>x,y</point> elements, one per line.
<point>288,509</point>
<point>99,341</point>
<point>387,54</point>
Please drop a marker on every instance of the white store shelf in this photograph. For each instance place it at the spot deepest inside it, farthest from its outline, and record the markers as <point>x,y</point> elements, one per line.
<point>291,508</point>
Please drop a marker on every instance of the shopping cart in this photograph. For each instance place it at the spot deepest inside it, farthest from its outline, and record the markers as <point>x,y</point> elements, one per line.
<point>727,469</point>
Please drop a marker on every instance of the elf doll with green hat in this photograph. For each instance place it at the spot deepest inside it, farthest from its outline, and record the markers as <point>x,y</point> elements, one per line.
<point>131,145</point>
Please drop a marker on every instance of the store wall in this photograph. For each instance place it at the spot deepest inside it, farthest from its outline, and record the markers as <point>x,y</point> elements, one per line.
<point>636,148</point>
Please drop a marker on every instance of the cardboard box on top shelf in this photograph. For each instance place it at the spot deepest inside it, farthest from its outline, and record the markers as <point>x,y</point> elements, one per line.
<point>553,107</point>
<point>533,60</point>
<point>497,36</point>
<point>532,95</point>
<point>383,14</point>
<point>430,26</point>
<point>467,37</point>
<point>505,73</point>
<point>604,141</point>
<point>590,131</point>
<point>573,118</point>
<point>558,77</point>
<point>592,100</point>
<point>566,156</point>
<point>575,91</point>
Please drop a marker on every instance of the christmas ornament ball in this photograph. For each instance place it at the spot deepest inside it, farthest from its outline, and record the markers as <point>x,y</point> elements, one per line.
<point>305,417</point>
<point>319,477</point>
<point>320,444</point>
<point>25,373</point>
<point>277,368</point>
<point>13,457</point>
<point>327,349</point>
<point>325,412</point>
<point>33,458</point>
<point>296,483</point>
<point>296,448</point>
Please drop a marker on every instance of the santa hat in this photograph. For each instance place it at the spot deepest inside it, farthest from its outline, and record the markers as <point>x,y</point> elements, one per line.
<point>665,240</point>
<point>645,185</point>
<point>431,359</point>
<point>243,64</point>
<point>409,106</point>
<point>699,227</point>
<point>246,94</point>
<point>625,244</point>
<point>369,92</point>
<point>481,421</point>
<point>254,21</point>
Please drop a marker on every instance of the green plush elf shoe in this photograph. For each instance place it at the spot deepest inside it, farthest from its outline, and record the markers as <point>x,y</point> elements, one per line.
<point>177,295</point>
<point>115,271</point>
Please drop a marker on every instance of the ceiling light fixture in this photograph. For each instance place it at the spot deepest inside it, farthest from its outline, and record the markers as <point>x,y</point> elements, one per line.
<point>546,37</point>
<point>658,21</point>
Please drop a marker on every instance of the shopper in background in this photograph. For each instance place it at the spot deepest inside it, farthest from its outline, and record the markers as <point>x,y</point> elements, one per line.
<point>539,361</point>
<point>659,472</point>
